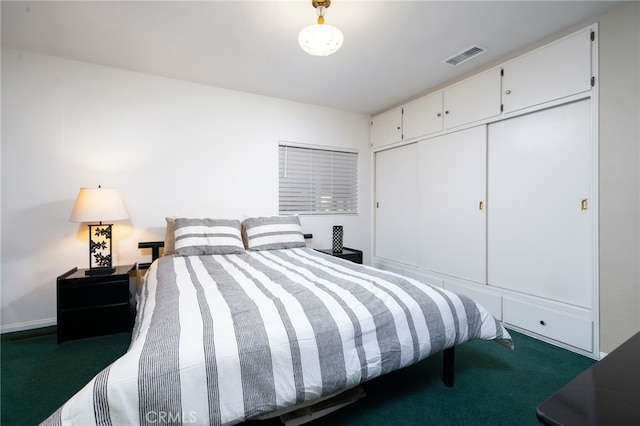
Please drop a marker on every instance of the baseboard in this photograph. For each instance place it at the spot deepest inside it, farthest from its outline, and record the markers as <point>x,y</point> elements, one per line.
<point>29,325</point>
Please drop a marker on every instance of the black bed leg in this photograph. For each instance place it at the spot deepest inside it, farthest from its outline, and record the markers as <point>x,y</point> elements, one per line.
<point>447,366</point>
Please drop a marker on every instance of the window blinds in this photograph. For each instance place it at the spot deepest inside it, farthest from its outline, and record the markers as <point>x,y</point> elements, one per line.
<point>317,181</point>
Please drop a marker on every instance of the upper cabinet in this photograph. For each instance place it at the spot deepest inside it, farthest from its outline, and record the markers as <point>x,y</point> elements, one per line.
<point>386,128</point>
<point>557,70</point>
<point>471,100</point>
<point>422,117</point>
<point>411,121</point>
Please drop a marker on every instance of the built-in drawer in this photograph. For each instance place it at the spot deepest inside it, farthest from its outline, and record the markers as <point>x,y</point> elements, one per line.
<point>562,325</point>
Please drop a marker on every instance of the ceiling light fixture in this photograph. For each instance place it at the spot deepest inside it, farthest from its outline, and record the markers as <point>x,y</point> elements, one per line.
<point>320,39</point>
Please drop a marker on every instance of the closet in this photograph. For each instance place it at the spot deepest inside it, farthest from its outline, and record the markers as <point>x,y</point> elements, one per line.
<point>540,233</point>
<point>501,205</point>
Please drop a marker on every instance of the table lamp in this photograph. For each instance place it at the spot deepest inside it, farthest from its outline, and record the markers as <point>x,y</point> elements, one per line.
<point>98,205</point>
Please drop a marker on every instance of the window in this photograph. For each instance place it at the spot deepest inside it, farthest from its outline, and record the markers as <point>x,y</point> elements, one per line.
<point>317,180</point>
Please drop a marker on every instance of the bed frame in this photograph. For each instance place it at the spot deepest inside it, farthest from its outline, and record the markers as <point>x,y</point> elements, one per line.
<point>448,354</point>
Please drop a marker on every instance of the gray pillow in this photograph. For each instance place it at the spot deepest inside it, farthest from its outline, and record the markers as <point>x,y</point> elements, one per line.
<point>207,236</point>
<point>274,232</point>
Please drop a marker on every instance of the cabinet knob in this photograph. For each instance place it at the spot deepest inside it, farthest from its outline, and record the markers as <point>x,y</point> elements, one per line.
<point>439,115</point>
<point>446,112</point>
<point>542,322</point>
<point>398,127</point>
<point>507,92</point>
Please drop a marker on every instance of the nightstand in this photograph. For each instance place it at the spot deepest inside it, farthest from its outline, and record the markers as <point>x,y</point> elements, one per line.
<point>92,305</point>
<point>353,255</point>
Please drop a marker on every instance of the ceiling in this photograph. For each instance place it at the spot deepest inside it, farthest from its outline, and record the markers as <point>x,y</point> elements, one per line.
<point>393,50</point>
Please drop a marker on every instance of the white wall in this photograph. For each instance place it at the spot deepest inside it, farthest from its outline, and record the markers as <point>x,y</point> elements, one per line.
<point>170,147</point>
<point>619,175</point>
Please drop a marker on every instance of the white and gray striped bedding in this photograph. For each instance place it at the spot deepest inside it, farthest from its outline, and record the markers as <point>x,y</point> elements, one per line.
<point>223,338</point>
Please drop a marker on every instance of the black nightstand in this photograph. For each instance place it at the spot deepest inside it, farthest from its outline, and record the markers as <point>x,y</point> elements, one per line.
<point>92,305</point>
<point>347,253</point>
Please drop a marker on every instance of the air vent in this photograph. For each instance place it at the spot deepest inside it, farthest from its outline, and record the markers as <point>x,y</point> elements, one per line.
<point>465,55</point>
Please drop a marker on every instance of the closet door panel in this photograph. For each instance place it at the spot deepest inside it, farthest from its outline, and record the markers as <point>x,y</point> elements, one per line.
<point>540,231</point>
<point>397,204</point>
<point>452,183</point>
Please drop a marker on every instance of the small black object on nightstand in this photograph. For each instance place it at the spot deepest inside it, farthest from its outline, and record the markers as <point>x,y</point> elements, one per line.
<point>92,305</point>
<point>347,253</point>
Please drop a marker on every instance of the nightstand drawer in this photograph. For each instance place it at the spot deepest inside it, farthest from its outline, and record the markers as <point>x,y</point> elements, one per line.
<point>78,323</point>
<point>92,305</point>
<point>81,295</point>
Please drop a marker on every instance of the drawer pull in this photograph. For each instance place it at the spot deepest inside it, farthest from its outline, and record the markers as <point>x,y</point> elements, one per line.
<point>542,322</point>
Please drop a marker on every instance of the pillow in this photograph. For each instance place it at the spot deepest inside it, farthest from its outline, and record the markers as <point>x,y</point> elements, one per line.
<point>275,232</point>
<point>207,236</point>
<point>170,237</point>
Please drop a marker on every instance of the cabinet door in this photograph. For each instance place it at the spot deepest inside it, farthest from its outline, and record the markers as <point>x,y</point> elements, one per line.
<point>452,190</point>
<point>422,117</point>
<point>386,128</point>
<point>397,204</point>
<point>552,72</point>
<point>473,99</point>
<point>540,232</point>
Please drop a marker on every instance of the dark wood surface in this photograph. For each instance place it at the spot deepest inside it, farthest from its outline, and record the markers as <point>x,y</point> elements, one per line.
<point>608,393</point>
<point>92,305</point>
<point>353,255</point>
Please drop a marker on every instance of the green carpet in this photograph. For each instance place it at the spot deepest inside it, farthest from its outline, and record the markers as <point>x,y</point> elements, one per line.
<point>493,385</point>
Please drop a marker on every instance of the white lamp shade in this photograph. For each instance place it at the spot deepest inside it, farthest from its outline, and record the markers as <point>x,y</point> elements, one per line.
<point>97,205</point>
<point>320,39</point>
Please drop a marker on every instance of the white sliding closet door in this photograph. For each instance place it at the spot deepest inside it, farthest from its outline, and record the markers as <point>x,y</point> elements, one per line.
<point>396,236</point>
<point>452,191</point>
<point>540,218</point>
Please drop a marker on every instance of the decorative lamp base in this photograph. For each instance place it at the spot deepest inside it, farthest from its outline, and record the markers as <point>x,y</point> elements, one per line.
<point>337,239</point>
<point>100,254</point>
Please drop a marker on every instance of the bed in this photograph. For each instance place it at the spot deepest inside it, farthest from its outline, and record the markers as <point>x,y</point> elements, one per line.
<point>244,320</point>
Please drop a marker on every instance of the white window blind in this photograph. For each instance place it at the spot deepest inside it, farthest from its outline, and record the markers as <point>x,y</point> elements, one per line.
<point>318,181</point>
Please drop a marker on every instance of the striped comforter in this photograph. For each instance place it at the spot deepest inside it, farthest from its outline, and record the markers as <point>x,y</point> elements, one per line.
<point>223,338</point>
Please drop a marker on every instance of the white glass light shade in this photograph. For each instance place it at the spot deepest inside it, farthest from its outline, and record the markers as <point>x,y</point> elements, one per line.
<point>320,39</point>
<point>97,205</point>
